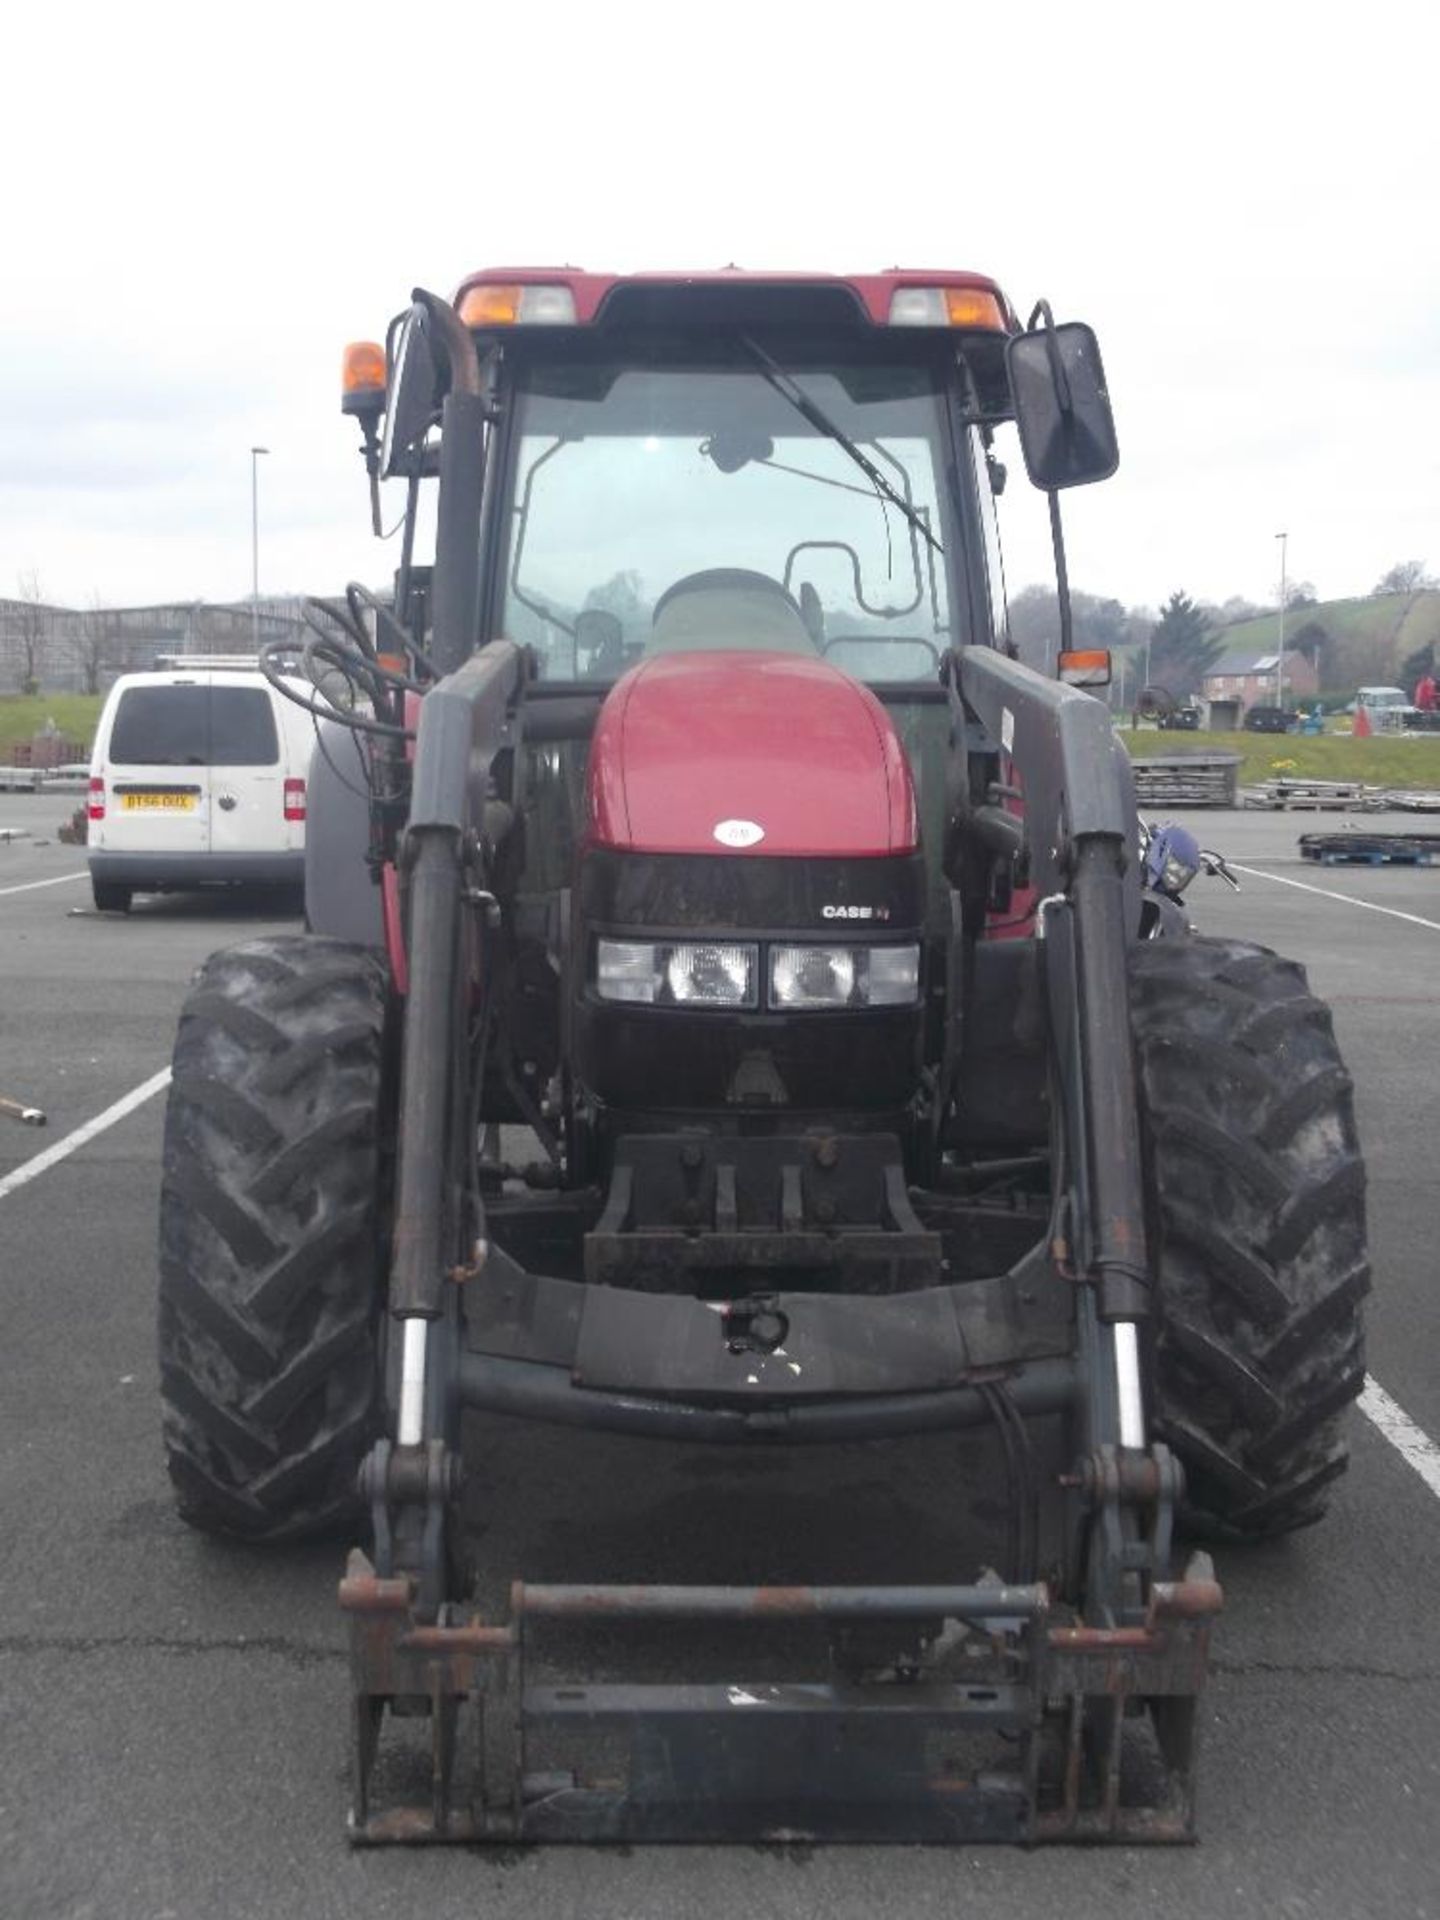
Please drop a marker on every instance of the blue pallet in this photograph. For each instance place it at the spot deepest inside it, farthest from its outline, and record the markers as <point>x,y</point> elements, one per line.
<point>1371,850</point>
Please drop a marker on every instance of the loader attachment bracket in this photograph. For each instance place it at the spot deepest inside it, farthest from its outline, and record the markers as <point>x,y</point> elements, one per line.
<point>1001,1718</point>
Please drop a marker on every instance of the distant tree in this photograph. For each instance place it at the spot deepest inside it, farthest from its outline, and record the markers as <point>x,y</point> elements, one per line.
<point>1183,646</point>
<point>622,594</point>
<point>1096,622</point>
<point>1417,664</point>
<point>1406,576</point>
<point>1300,593</point>
<point>1236,609</point>
<point>1313,641</point>
<point>94,642</point>
<point>32,629</point>
<point>1035,625</point>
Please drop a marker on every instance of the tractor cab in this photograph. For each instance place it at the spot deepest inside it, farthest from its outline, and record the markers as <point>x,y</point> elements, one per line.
<point>734,527</point>
<point>759,462</point>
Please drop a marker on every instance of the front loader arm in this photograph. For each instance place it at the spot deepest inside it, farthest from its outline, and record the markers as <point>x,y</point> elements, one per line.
<point>464,722</point>
<point>1078,834</point>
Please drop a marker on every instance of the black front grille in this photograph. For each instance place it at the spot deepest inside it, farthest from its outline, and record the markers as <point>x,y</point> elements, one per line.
<point>681,893</point>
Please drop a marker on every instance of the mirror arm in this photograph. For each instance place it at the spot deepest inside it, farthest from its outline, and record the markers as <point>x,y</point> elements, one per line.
<point>1062,575</point>
<point>370,448</point>
<point>407,554</point>
<point>1063,397</point>
<point>455,340</point>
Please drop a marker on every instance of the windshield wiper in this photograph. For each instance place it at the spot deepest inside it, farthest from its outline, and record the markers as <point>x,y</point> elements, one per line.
<point>790,390</point>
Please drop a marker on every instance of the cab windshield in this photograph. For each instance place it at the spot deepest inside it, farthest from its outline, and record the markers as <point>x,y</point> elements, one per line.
<point>665,504</point>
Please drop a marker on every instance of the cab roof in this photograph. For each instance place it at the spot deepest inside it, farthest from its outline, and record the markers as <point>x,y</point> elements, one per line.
<point>870,296</point>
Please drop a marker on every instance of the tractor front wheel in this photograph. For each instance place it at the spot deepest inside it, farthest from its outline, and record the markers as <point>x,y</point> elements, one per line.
<point>270,1237</point>
<point>1256,1194</point>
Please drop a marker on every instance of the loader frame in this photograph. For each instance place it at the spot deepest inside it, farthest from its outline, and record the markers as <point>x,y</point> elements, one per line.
<point>1062,1680</point>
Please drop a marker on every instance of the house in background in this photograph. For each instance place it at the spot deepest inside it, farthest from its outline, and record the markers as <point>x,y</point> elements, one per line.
<point>1249,678</point>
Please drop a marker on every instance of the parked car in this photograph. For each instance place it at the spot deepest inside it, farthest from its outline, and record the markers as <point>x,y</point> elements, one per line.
<point>198,778</point>
<point>1268,720</point>
<point>1183,720</point>
<point>1389,708</point>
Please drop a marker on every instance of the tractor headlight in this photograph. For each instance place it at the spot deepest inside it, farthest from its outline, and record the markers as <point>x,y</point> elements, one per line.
<point>689,973</point>
<point>802,977</point>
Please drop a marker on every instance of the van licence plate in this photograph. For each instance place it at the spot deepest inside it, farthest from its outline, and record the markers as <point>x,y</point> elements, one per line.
<point>157,802</point>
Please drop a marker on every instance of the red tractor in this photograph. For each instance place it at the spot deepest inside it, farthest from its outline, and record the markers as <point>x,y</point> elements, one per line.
<point>723,1015</point>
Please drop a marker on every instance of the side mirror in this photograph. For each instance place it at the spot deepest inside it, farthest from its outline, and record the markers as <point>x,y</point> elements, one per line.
<point>415,391</point>
<point>1067,432</point>
<point>732,448</point>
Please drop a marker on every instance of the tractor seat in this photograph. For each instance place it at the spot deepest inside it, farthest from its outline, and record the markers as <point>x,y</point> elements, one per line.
<point>731,608</point>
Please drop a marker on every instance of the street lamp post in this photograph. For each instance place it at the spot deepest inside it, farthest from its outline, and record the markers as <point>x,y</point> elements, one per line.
<point>255,453</point>
<point>1283,538</point>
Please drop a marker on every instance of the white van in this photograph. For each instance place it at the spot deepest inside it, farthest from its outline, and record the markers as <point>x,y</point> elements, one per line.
<point>1386,706</point>
<point>198,777</point>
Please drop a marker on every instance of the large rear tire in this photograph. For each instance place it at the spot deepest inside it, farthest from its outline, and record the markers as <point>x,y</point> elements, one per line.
<point>270,1230</point>
<point>1256,1194</point>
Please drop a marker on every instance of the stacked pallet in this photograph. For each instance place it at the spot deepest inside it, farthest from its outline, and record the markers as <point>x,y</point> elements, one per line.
<point>1371,849</point>
<point>1285,792</point>
<point>1187,779</point>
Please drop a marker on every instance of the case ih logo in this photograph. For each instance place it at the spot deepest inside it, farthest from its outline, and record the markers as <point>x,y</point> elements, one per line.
<point>738,833</point>
<point>854,913</point>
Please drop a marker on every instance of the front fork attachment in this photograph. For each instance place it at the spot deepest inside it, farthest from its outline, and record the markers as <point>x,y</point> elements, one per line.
<point>412,1493</point>
<point>411,1483</point>
<point>1127,1503</point>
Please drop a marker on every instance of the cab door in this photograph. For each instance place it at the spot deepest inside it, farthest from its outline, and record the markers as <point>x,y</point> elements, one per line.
<point>156,772</point>
<point>247,799</point>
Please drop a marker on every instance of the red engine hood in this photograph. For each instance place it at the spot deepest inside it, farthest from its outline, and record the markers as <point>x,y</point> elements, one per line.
<point>694,752</point>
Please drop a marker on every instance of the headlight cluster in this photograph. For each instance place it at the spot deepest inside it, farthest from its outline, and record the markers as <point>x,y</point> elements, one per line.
<point>713,974</point>
<point>678,973</point>
<point>844,976</point>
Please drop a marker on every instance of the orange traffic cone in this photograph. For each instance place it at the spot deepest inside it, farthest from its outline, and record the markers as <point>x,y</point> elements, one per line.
<point>1362,728</point>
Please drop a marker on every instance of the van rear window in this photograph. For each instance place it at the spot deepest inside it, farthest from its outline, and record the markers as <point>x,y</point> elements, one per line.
<point>194,727</point>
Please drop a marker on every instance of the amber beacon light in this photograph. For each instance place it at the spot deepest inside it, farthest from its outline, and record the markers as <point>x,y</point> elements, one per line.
<point>362,377</point>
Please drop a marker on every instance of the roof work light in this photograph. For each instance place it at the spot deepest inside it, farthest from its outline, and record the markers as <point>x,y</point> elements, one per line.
<point>495,304</point>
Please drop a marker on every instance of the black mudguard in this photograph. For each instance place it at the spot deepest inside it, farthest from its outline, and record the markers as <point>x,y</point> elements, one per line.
<point>342,899</point>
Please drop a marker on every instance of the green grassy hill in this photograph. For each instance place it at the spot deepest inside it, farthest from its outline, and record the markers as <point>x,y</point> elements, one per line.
<point>22,717</point>
<point>1365,641</point>
<point>1413,763</point>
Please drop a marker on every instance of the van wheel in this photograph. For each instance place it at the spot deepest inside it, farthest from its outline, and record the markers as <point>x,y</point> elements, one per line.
<point>110,896</point>
<point>270,1238</point>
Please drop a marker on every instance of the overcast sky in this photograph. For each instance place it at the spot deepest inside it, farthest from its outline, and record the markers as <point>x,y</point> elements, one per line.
<point>201,205</point>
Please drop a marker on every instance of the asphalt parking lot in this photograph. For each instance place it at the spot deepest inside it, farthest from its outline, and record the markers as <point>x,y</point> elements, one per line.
<point>174,1713</point>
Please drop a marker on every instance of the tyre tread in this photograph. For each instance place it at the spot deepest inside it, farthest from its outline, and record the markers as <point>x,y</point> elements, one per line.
<point>269,1237</point>
<point>1257,1200</point>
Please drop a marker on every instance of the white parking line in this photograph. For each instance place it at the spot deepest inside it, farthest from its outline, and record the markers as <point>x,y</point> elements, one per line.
<point>31,884</point>
<point>1401,1431</point>
<point>1346,899</point>
<point>1412,1443</point>
<point>62,1149</point>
